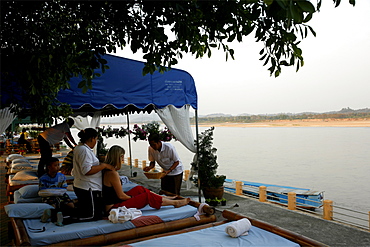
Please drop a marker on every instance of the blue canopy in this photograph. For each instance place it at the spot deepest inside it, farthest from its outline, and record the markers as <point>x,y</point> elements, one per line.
<point>123,88</point>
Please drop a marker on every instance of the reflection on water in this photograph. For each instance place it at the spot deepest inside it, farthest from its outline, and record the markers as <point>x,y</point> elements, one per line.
<point>331,159</point>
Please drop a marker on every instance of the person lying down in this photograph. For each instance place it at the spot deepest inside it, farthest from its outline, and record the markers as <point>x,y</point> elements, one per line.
<point>138,197</point>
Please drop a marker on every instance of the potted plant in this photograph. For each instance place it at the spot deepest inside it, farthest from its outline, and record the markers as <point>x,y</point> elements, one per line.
<point>223,202</point>
<point>212,202</point>
<point>109,131</point>
<point>101,148</point>
<point>210,183</point>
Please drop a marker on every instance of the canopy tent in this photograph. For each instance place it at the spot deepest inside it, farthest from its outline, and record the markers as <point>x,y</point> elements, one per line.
<point>123,89</point>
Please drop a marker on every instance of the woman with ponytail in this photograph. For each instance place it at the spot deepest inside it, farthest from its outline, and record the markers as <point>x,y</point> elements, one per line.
<point>87,172</point>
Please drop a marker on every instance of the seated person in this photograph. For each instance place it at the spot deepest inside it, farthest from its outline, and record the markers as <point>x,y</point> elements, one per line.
<point>138,197</point>
<point>53,190</point>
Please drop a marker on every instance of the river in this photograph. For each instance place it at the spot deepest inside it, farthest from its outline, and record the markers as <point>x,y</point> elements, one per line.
<point>335,160</point>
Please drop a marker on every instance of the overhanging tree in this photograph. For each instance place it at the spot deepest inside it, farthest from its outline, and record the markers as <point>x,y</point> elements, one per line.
<point>45,43</point>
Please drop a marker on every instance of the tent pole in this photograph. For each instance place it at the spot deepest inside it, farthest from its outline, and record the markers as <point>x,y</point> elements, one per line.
<point>129,142</point>
<point>197,163</point>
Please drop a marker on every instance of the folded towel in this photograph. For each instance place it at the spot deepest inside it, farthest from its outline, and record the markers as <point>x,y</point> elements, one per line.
<point>123,214</point>
<point>200,211</point>
<point>238,228</point>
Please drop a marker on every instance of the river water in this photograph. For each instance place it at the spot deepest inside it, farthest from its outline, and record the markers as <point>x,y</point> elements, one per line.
<point>335,160</point>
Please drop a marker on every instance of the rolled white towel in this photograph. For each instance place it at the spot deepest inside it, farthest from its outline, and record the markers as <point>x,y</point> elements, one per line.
<point>200,211</point>
<point>113,215</point>
<point>238,228</point>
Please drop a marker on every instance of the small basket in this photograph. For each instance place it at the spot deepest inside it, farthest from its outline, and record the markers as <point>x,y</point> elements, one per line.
<point>153,175</point>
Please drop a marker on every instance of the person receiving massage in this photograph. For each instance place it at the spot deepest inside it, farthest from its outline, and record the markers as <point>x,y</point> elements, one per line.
<point>87,172</point>
<point>138,197</point>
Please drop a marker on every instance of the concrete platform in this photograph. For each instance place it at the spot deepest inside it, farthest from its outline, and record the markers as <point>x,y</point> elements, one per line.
<point>327,232</point>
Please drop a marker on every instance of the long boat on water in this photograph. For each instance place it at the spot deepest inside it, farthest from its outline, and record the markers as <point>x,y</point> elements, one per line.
<point>305,198</point>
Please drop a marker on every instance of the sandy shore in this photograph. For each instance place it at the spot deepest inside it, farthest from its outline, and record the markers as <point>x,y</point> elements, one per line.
<point>298,123</point>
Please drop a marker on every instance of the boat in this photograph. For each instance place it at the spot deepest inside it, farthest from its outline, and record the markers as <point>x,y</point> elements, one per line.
<point>305,198</point>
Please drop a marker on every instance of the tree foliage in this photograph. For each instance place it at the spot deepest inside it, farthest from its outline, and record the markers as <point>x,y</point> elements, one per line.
<point>45,43</point>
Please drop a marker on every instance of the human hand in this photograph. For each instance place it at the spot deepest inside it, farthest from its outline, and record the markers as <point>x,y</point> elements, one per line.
<point>146,169</point>
<point>109,167</point>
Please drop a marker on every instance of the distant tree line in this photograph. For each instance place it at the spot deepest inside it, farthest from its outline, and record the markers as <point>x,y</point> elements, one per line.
<point>261,118</point>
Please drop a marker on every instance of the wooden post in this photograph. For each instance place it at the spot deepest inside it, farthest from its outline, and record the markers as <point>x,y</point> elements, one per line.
<point>136,163</point>
<point>186,175</point>
<point>292,201</point>
<point>128,161</point>
<point>262,194</point>
<point>143,164</point>
<point>238,188</point>
<point>328,210</point>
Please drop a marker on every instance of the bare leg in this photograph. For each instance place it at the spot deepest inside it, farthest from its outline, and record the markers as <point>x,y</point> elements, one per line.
<point>176,203</point>
<point>170,197</point>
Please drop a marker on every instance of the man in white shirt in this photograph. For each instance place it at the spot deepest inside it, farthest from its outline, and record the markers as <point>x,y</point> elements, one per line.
<point>166,156</point>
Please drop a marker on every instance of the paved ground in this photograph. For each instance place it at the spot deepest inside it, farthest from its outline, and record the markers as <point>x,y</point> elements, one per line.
<point>327,232</point>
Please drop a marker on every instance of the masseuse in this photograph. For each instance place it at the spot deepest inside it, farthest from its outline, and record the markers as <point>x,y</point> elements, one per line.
<point>166,156</point>
<point>87,172</point>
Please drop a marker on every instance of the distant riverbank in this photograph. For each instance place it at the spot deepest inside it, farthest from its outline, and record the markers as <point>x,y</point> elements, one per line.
<point>297,123</point>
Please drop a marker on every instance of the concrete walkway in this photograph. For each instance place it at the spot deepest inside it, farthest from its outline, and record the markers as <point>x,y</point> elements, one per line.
<point>327,232</point>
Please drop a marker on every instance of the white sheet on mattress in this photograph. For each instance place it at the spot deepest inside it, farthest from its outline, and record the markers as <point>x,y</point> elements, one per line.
<point>216,236</point>
<point>56,234</point>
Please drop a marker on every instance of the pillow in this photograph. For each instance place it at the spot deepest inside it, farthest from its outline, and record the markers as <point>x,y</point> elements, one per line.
<point>25,175</point>
<point>22,166</point>
<point>29,191</point>
<point>20,161</point>
<point>26,210</point>
<point>19,167</point>
<point>12,157</point>
<point>52,192</point>
<point>19,199</point>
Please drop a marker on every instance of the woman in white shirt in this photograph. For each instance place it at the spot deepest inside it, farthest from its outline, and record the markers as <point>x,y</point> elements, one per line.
<point>87,172</point>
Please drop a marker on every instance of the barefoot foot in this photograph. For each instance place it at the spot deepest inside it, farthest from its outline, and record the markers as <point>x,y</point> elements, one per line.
<point>182,202</point>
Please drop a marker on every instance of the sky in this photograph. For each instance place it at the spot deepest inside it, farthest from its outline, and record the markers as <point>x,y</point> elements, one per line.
<point>335,74</point>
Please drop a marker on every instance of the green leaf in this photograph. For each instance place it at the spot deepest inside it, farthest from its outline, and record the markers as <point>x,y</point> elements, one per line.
<point>231,38</point>
<point>268,2</point>
<point>312,31</point>
<point>81,84</point>
<point>306,6</point>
